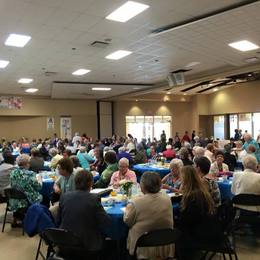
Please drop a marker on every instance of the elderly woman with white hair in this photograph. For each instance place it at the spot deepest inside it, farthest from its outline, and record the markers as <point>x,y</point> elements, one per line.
<point>198,152</point>
<point>172,180</point>
<point>123,174</point>
<point>24,180</point>
<point>250,141</point>
<point>84,158</point>
<point>169,153</point>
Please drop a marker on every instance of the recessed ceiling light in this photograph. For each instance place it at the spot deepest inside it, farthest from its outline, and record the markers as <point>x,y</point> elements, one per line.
<point>3,63</point>
<point>136,100</point>
<point>244,45</point>
<point>25,81</point>
<point>118,55</point>
<point>127,11</point>
<point>17,40</point>
<point>31,90</point>
<point>215,89</point>
<point>184,94</point>
<point>80,72</point>
<point>192,64</point>
<point>168,92</point>
<point>101,89</point>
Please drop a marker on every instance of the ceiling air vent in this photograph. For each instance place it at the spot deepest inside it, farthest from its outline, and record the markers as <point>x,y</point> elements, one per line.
<point>99,44</point>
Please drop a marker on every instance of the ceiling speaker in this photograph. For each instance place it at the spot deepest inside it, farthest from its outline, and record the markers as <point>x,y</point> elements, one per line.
<point>176,79</point>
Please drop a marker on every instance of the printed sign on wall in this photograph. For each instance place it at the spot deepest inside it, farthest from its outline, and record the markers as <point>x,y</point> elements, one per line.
<point>65,127</point>
<point>10,102</point>
<point>50,123</point>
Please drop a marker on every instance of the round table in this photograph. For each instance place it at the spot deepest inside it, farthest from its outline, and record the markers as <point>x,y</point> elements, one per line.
<point>119,230</point>
<point>141,168</point>
<point>47,186</point>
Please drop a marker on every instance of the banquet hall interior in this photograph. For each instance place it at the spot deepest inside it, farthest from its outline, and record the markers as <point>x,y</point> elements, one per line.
<point>81,75</point>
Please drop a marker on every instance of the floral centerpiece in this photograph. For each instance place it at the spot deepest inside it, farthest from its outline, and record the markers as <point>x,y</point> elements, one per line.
<point>126,187</point>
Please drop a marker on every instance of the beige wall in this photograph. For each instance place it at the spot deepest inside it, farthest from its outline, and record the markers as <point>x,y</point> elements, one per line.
<point>180,112</point>
<point>239,99</point>
<point>31,120</point>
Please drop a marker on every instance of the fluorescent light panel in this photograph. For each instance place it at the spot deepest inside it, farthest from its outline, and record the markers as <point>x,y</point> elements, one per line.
<point>118,55</point>
<point>244,45</point>
<point>127,11</point>
<point>80,72</point>
<point>25,80</point>
<point>31,90</point>
<point>101,89</point>
<point>17,40</point>
<point>3,63</point>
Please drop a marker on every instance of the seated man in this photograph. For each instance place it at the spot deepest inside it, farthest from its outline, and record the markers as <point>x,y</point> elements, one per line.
<point>123,174</point>
<point>247,181</point>
<point>82,213</point>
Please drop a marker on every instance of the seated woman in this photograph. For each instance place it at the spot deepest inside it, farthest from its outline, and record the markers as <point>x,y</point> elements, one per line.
<point>24,180</point>
<point>36,162</point>
<point>84,158</point>
<point>197,213</point>
<point>111,161</point>
<point>140,156</point>
<point>218,165</point>
<point>202,167</point>
<point>98,165</point>
<point>66,181</point>
<point>76,164</point>
<point>124,174</point>
<point>6,168</point>
<point>184,155</point>
<point>172,180</point>
<point>151,211</point>
<point>169,154</point>
<point>55,158</point>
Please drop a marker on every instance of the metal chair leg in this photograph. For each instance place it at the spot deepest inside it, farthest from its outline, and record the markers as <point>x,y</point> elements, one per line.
<point>38,249</point>
<point>3,228</point>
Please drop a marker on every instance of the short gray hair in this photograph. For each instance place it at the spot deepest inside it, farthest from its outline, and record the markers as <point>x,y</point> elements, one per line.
<point>23,159</point>
<point>183,153</point>
<point>124,161</point>
<point>198,151</point>
<point>151,182</point>
<point>53,151</point>
<point>250,162</point>
<point>177,163</point>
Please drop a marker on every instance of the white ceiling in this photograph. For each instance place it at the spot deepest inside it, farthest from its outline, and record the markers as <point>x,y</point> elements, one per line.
<point>57,26</point>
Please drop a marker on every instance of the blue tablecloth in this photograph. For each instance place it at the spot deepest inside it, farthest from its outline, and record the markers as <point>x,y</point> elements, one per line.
<point>225,189</point>
<point>141,168</point>
<point>47,186</point>
<point>119,229</point>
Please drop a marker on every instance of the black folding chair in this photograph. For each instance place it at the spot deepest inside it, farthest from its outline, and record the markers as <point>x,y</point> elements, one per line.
<point>68,246</point>
<point>160,237</point>
<point>12,193</point>
<point>221,240</point>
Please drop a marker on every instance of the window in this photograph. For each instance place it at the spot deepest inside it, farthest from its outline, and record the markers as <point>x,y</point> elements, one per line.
<point>219,127</point>
<point>148,126</point>
<point>233,124</point>
<point>256,123</point>
<point>245,122</point>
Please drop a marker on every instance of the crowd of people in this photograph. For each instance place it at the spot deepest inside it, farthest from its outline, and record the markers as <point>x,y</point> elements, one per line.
<point>195,164</point>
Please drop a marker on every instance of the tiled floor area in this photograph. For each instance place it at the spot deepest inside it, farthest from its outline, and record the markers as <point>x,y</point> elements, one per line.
<point>14,246</point>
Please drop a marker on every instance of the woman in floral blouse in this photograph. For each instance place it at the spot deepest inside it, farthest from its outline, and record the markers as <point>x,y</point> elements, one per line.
<point>24,180</point>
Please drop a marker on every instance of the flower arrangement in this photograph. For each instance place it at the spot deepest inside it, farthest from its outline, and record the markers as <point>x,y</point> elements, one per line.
<point>126,187</point>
